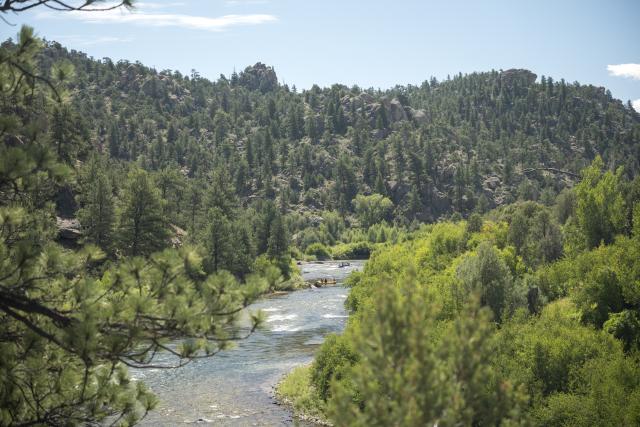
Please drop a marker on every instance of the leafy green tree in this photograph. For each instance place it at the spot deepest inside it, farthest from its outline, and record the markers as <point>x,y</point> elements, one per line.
<point>318,250</point>
<point>486,273</point>
<point>474,223</point>
<point>372,209</point>
<point>332,362</point>
<point>518,230</point>
<point>600,206</point>
<point>142,228</point>
<point>547,238</point>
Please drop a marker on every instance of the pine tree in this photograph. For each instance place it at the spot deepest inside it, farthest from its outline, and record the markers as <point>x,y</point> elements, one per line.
<point>244,250</point>
<point>278,244</point>
<point>142,228</point>
<point>97,209</point>
<point>195,203</point>
<point>346,186</point>
<point>410,374</point>
<point>217,240</point>
<point>221,193</point>
<point>68,332</point>
<point>63,133</point>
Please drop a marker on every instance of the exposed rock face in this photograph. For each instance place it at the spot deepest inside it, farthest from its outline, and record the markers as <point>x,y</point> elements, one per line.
<point>524,77</point>
<point>396,111</point>
<point>68,228</point>
<point>366,98</point>
<point>259,77</point>
<point>419,116</point>
<point>491,182</point>
<point>179,236</point>
<point>153,87</point>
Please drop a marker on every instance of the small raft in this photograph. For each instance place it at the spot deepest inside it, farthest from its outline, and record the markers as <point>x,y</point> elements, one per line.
<point>322,282</point>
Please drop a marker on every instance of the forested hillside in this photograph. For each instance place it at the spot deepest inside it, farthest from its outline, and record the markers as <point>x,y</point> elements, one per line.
<point>468,143</point>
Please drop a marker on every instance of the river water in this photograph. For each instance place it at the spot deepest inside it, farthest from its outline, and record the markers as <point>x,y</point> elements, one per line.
<point>235,387</point>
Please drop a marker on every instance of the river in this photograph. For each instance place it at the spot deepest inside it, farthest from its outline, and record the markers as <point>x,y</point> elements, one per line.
<point>235,387</point>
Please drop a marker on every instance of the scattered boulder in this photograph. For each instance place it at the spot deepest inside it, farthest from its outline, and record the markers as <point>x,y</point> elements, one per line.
<point>178,236</point>
<point>491,182</point>
<point>69,228</point>
<point>366,98</point>
<point>396,111</point>
<point>419,116</point>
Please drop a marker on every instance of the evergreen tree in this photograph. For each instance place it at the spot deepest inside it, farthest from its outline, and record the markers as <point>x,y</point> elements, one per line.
<point>142,229</point>
<point>222,194</point>
<point>346,186</point>
<point>97,209</point>
<point>69,331</point>
<point>273,238</point>
<point>278,244</point>
<point>410,376</point>
<point>217,241</point>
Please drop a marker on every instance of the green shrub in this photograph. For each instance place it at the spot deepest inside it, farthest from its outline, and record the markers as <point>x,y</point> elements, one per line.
<point>296,390</point>
<point>334,357</point>
<point>356,250</point>
<point>318,250</point>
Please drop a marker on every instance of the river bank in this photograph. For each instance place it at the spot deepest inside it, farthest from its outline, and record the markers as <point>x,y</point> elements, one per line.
<point>295,391</point>
<point>235,387</point>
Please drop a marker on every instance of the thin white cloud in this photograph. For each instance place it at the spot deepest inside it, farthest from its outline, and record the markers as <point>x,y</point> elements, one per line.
<point>636,105</point>
<point>625,70</point>
<point>141,17</point>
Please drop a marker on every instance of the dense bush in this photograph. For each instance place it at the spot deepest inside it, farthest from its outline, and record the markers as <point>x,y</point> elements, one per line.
<point>319,251</point>
<point>357,250</point>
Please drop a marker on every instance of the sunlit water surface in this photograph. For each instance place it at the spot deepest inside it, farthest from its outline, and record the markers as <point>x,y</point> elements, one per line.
<point>235,387</point>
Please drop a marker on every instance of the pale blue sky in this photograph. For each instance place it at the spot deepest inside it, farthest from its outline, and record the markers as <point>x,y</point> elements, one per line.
<point>370,43</point>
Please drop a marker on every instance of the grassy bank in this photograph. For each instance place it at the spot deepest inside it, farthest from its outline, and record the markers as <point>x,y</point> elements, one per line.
<point>296,391</point>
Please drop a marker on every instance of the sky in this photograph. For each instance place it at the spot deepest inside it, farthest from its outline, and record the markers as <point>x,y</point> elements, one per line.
<point>371,43</point>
